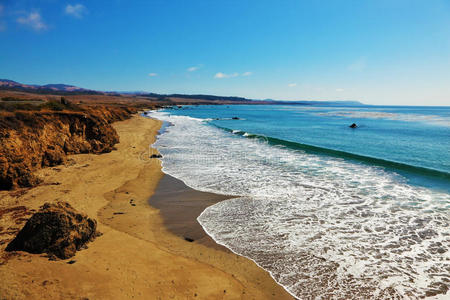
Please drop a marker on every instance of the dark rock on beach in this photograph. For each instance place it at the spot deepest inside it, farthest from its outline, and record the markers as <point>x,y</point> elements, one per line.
<point>56,229</point>
<point>155,156</point>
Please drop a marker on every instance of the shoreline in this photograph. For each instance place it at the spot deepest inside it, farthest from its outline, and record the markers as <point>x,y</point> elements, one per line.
<point>167,199</point>
<point>179,206</point>
<point>135,247</point>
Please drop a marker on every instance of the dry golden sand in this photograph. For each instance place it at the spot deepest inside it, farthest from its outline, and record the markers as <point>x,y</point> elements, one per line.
<point>136,257</point>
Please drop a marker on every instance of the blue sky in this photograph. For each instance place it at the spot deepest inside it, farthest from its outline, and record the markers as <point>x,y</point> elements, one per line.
<point>378,52</point>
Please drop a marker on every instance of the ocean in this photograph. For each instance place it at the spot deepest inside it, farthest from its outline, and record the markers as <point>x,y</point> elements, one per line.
<point>328,210</point>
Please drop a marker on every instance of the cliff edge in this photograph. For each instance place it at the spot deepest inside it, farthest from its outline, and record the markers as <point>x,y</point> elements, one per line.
<point>30,140</point>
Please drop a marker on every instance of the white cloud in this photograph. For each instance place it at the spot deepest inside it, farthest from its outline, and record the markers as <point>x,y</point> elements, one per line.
<point>193,69</point>
<point>152,74</point>
<point>358,65</point>
<point>340,90</point>
<point>247,73</point>
<point>76,10</point>
<point>221,75</point>
<point>292,84</point>
<point>34,20</point>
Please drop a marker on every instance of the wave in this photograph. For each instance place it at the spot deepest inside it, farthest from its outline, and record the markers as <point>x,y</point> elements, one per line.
<point>323,227</point>
<point>343,154</point>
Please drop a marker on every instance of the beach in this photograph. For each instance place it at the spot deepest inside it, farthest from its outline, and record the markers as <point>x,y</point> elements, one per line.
<point>144,252</point>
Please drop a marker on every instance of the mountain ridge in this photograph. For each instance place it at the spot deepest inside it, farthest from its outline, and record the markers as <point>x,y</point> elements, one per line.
<point>65,89</point>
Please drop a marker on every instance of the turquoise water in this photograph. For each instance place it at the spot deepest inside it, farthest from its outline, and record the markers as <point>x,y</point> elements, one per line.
<point>329,211</point>
<point>412,141</point>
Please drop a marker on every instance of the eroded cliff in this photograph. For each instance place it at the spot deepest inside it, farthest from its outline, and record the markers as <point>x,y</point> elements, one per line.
<point>30,140</point>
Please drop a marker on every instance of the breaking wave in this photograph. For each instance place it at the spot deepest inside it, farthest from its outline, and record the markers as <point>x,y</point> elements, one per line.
<point>323,226</point>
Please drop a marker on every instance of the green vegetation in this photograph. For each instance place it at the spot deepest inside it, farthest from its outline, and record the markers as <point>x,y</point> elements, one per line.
<point>6,106</point>
<point>14,99</point>
<point>53,105</point>
<point>63,104</point>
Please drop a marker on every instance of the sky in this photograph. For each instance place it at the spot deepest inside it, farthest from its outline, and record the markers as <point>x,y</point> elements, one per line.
<point>388,52</point>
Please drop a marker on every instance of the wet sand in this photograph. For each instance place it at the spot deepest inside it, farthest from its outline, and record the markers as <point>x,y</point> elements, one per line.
<point>180,205</point>
<point>137,257</point>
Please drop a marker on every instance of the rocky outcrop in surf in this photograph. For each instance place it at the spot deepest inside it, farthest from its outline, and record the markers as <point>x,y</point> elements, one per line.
<point>56,229</point>
<point>30,140</point>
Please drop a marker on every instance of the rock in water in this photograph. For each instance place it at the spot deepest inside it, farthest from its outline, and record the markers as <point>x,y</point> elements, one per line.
<point>353,125</point>
<point>56,229</point>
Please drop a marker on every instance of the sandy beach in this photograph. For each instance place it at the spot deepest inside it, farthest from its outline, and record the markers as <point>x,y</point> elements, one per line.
<point>142,252</point>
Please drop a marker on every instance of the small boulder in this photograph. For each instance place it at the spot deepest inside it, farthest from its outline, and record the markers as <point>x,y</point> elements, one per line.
<point>53,157</point>
<point>235,118</point>
<point>155,156</point>
<point>353,125</point>
<point>56,229</point>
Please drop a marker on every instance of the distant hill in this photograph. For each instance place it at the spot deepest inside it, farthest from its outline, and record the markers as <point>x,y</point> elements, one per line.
<point>64,89</point>
<point>234,99</point>
<point>322,102</point>
<point>196,97</point>
<point>6,84</point>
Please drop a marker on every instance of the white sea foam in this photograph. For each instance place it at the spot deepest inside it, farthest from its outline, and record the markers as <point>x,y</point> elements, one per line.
<point>323,227</point>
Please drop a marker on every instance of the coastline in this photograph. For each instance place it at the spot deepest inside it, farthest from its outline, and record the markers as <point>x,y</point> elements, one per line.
<point>137,256</point>
<point>179,206</point>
